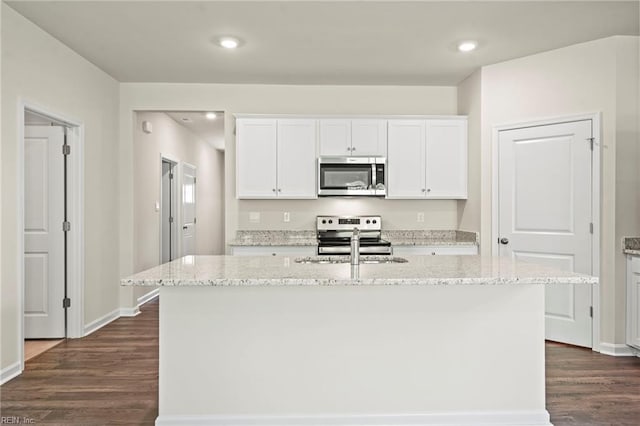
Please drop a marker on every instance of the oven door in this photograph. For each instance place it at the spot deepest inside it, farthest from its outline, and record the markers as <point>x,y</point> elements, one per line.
<point>351,176</point>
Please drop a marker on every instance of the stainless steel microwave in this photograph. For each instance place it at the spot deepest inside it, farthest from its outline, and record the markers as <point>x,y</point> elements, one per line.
<point>351,176</point>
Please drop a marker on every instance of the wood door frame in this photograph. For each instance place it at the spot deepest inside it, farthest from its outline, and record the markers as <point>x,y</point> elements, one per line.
<point>75,214</point>
<point>177,246</point>
<point>596,170</point>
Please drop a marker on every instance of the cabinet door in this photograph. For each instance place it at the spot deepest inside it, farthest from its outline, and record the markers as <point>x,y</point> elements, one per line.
<point>633,302</point>
<point>369,137</point>
<point>434,250</point>
<point>256,158</point>
<point>297,159</point>
<point>406,159</point>
<point>446,162</point>
<point>335,137</point>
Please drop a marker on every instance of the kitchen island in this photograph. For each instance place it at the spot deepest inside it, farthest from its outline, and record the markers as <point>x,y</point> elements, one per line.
<point>269,341</point>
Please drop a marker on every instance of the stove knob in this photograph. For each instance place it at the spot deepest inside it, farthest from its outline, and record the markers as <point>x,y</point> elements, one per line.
<point>330,221</point>
<point>368,221</point>
<point>324,220</point>
<point>374,221</point>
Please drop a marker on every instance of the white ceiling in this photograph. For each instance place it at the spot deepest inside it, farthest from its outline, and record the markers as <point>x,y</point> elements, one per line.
<point>326,42</point>
<point>211,131</point>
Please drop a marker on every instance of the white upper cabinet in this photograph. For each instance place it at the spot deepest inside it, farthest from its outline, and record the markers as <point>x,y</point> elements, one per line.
<point>356,137</point>
<point>296,159</point>
<point>406,159</point>
<point>335,137</point>
<point>256,158</point>
<point>446,163</point>
<point>369,138</point>
<point>427,159</point>
<point>275,158</point>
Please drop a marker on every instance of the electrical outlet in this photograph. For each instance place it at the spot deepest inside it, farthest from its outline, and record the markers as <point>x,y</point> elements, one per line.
<point>286,217</point>
<point>254,217</point>
<point>420,217</point>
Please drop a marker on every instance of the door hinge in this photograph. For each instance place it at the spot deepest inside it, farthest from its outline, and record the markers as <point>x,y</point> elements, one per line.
<point>194,181</point>
<point>66,226</point>
<point>591,142</point>
<point>591,311</point>
<point>194,220</point>
<point>170,219</point>
<point>66,302</point>
<point>591,228</point>
<point>66,149</point>
<point>170,175</point>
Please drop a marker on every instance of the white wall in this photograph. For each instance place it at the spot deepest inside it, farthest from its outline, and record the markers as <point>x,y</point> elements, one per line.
<point>598,76</point>
<point>41,70</point>
<point>283,99</point>
<point>469,104</point>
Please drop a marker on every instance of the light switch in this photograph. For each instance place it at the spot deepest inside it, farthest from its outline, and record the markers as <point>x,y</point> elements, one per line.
<point>286,217</point>
<point>420,217</point>
<point>157,206</point>
<point>254,217</point>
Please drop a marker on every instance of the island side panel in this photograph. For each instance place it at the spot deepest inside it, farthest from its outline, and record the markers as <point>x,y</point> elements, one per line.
<point>361,350</point>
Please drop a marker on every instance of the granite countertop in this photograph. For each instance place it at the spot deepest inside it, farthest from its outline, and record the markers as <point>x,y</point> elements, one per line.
<point>431,238</point>
<point>275,238</point>
<point>399,238</point>
<point>631,245</point>
<point>284,271</point>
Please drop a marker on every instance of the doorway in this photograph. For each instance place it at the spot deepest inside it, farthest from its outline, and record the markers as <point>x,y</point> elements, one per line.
<point>546,193</point>
<point>168,218</point>
<point>50,228</point>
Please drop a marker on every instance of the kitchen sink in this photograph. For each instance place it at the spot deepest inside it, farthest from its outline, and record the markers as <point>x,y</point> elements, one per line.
<point>364,260</point>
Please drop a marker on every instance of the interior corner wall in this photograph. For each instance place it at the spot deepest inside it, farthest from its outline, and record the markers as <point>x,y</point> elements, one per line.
<point>40,70</point>
<point>627,190</point>
<point>172,140</point>
<point>573,80</point>
<point>285,99</point>
<point>469,104</point>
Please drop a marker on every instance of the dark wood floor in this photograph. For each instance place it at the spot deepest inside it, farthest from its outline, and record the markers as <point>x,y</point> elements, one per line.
<point>110,377</point>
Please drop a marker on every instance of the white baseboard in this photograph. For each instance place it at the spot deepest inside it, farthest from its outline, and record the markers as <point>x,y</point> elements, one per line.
<point>101,322</point>
<point>10,372</point>
<point>497,418</point>
<point>148,297</point>
<point>616,349</point>
<point>130,312</point>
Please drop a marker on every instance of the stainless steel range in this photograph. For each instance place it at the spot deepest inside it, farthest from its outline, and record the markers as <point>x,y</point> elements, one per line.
<point>334,235</point>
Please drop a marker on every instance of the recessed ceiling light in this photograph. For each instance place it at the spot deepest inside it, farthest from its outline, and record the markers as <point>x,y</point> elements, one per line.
<point>229,42</point>
<point>211,115</point>
<point>467,46</point>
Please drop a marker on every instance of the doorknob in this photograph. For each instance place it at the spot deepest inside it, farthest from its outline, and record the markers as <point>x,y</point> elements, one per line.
<point>504,240</point>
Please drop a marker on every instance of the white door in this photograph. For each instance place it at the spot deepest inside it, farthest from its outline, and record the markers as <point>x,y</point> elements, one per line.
<point>43,234</point>
<point>369,137</point>
<point>335,137</point>
<point>446,164</point>
<point>297,159</point>
<point>545,215</point>
<point>188,209</point>
<point>406,159</point>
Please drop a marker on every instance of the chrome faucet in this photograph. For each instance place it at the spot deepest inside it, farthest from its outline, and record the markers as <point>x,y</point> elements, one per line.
<point>355,247</point>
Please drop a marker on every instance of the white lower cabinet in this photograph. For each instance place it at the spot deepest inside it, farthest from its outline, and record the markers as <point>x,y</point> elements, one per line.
<point>633,301</point>
<point>291,251</point>
<point>434,250</point>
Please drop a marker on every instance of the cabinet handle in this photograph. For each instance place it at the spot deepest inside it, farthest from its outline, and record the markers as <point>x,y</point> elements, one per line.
<point>424,190</point>
<point>353,148</point>
<point>279,190</point>
<point>429,190</point>
<point>274,190</point>
<point>348,148</point>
